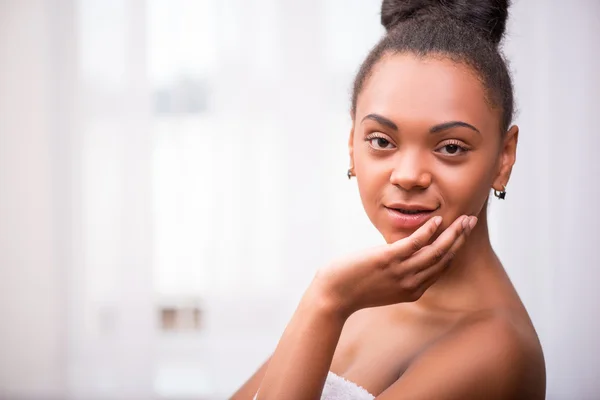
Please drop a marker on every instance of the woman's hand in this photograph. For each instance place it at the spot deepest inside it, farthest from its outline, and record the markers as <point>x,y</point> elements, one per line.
<point>392,273</point>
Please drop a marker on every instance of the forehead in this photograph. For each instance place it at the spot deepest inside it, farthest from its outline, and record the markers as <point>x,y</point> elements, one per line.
<point>404,87</point>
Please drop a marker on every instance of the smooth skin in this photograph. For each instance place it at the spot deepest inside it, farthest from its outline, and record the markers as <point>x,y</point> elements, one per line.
<point>432,313</point>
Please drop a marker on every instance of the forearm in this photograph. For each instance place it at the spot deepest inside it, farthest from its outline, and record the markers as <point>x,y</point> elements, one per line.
<point>248,389</point>
<point>299,366</point>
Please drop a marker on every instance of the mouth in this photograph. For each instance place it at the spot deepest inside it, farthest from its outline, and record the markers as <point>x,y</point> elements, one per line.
<point>408,217</point>
<point>410,208</point>
<point>410,212</point>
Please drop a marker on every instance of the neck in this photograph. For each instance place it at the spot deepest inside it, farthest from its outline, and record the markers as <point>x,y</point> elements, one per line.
<point>474,271</point>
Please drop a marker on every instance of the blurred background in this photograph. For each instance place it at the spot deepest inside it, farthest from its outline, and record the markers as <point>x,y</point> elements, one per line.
<point>172,174</point>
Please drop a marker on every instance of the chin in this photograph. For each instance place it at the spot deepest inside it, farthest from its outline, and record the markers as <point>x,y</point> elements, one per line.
<point>392,236</point>
<point>394,226</point>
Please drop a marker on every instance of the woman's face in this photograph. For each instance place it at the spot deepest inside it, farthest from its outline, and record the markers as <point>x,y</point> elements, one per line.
<point>425,142</point>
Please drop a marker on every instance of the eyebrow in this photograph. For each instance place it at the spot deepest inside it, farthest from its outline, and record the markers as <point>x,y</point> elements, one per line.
<point>434,129</point>
<point>452,124</point>
<point>381,120</point>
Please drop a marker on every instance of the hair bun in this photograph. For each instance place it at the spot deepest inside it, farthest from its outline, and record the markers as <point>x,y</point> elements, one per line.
<point>486,16</point>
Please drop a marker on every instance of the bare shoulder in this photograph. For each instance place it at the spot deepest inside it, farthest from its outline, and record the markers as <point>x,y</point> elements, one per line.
<point>487,355</point>
<point>503,339</point>
<point>500,328</point>
<point>514,348</point>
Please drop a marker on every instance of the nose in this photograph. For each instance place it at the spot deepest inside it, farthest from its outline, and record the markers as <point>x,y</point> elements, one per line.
<point>410,171</point>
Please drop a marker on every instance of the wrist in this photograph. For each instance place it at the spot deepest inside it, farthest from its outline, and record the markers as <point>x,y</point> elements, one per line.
<point>322,299</point>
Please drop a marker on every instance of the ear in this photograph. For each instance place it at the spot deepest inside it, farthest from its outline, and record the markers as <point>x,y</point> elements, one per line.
<point>508,156</point>
<point>351,147</point>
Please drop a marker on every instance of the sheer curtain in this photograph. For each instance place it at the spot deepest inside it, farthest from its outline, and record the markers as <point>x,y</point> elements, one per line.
<point>172,173</point>
<point>201,127</point>
<point>250,189</point>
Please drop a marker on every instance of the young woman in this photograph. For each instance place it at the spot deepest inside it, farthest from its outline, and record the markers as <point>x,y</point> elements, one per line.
<point>431,314</point>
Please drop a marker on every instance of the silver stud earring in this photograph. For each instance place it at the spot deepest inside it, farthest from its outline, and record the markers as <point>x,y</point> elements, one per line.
<point>500,194</point>
<point>349,173</point>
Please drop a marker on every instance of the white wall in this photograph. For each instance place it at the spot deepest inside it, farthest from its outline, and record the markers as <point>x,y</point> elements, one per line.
<point>32,277</point>
<point>547,230</point>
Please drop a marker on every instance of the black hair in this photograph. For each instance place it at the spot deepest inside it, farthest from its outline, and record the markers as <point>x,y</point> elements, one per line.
<point>465,31</point>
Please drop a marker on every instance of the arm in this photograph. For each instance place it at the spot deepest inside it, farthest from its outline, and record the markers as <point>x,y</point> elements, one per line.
<point>389,274</point>
<point>488,360</point>
<point>299,366</point>
<point>249,389</point>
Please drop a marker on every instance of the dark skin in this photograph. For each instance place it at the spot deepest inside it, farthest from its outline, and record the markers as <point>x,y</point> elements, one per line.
<point>432,314</point>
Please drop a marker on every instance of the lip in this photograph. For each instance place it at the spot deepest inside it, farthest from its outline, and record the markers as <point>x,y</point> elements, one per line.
<point>410,207</point>
<point>408,221</point>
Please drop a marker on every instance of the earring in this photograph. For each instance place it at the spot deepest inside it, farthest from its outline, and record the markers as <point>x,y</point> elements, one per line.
<point>502,194</point>
<point>349,173</point>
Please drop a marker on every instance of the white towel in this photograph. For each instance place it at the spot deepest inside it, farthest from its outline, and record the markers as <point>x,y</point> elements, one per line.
<point>338,388</point>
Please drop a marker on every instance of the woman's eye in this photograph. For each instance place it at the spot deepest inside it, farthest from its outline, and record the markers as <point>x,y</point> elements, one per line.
<point>452,149</point>
<point>380,143</point>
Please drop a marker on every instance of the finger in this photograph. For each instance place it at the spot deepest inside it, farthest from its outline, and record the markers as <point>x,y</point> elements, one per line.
<point>409,245</point>
<point>430,275</point>
<point>433,253</point>
<point>425,283</point>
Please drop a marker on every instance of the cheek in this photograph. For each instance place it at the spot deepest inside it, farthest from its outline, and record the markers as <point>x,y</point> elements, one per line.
<point>370,182</point>
<point>372,178</point>
<point>465,188</point>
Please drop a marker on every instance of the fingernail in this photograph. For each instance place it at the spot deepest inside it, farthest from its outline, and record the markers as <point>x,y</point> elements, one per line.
<point>472,223</point>
<point>465,222</point>
<point>437,220</point>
